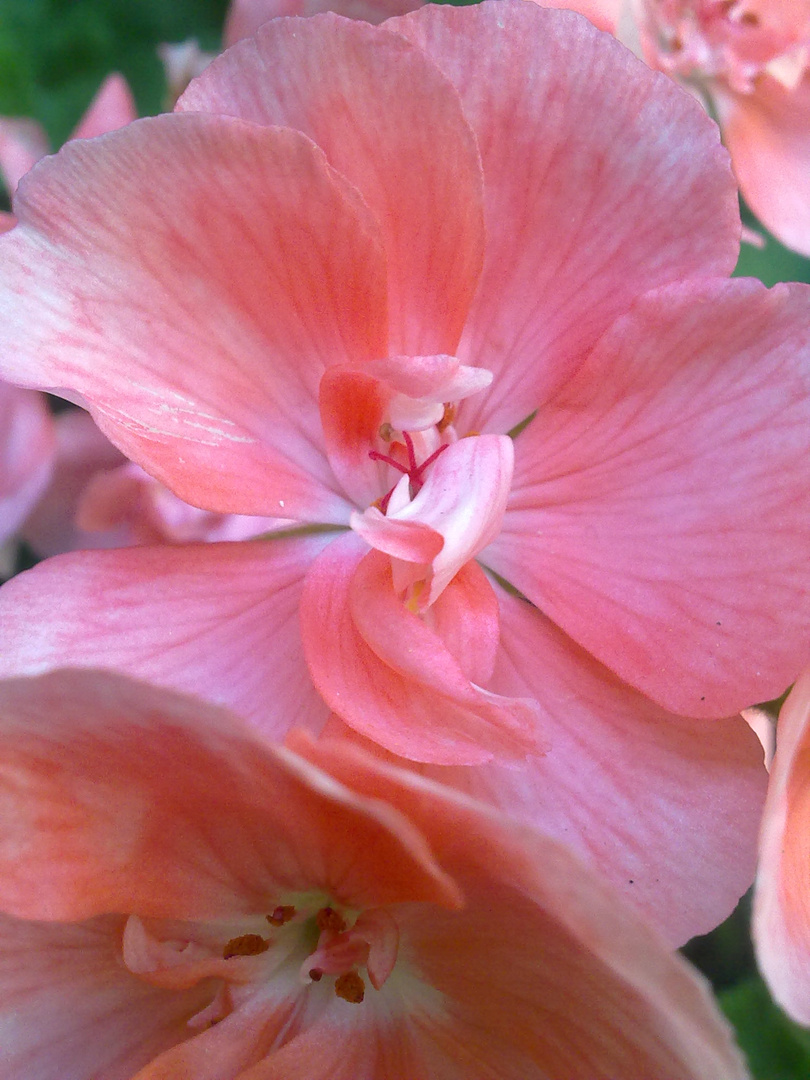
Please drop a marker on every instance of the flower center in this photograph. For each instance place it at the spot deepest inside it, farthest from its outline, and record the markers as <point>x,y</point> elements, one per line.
<point>415,471</point>
<point>303,943</point>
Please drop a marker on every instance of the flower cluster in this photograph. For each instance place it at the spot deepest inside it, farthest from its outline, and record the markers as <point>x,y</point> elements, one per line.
<point>436,453</point>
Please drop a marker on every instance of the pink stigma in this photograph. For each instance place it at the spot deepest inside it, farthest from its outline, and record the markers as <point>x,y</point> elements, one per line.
<point>413,471</point>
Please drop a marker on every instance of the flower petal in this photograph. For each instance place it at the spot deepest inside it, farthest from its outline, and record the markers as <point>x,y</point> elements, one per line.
<point>664,807</point>
<point>544,972</point>
<point>119,797</point>
<point>22,144</point>
<point>27,444</point>
<point>602,179</point>
<point>113,107</point>
<point>197,322</point>
<point>781,922</point>
<point>768,136</point>
<point>660,511</point>
<point>390,676</point>
<point>379,109</point>
<point>69,1010</point>
<point>246,16</point>
<point>219,620</point>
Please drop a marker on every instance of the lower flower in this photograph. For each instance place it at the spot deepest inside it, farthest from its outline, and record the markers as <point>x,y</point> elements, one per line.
<point>182,899</point>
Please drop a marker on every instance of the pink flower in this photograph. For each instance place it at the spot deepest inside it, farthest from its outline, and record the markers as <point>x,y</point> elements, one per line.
<point>749,60</point>
<point>181,899</point>
<point>341,233</point>
<point>26,454</point>
<point>781,900</point>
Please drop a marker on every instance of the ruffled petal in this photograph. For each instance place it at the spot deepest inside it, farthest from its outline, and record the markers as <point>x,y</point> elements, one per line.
<point>219,620</point>
<point>781,923</point>
<point>660,511</point>
<point>664,807</point>
<point>197,322</point>
<point>119,797</point>
<point>391,124</point>
<point>391,677</point>
<point>602,179</point>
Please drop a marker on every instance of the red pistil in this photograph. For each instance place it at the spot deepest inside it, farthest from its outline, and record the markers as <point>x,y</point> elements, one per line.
<point>413,471</point>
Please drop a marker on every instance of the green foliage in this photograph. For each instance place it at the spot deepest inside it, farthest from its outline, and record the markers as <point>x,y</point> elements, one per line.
<point>776,1048</point>
<point>55,53</point>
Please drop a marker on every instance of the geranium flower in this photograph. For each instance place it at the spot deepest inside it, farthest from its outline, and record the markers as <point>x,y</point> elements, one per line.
<point>781,923</point>
<point>180,898</point>
<point>482,319</point>
<point>749,60</point>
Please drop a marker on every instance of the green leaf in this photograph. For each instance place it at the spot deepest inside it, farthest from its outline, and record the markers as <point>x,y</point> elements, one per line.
<point>776,1048</point>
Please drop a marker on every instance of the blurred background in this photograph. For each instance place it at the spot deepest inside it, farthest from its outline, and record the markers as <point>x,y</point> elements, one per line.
<point>54,54</point>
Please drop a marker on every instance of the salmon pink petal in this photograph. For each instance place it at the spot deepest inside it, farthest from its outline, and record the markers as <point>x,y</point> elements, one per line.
<point>379,109</point>
<point>645,518</point>
<point>197,323</point>
<point>665,807</point>
<point>768,135</point>
<point>7,221</point>
<point>69,1010</point>
<point>781,923</point>
<point>409,540</point>
<point>27,445</point>
<point>604,14</point>
<point>353,407</point>
<point>390,676</point>
<point>544,972</point>
<point>117,796</point>
<point>113,107</point>
<point>220,620</point>
<point>246,16</point>
<point>601,180</point>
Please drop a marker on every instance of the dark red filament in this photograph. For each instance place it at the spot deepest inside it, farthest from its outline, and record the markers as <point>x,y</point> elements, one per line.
<point>414,472</point>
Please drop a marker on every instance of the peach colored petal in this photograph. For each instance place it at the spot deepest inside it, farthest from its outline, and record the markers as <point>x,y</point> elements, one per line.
<point>391,677</point>
<point>644,518</point>
<point>120,797</point>
<point>251,268</point>
<point>600,181</point>
<point>22,144</point>
<point>781,921</point>
<point>768,136</point>
<point>394,108</point>
<point>220,620</point>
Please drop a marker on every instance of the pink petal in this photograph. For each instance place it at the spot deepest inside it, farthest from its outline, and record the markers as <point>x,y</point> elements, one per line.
<point>768,136</point>
<point>604,14</point>
<point>601,180</point>
<point>409,540</point>
<point>664,807</point>
<point>120,797</point>
<point>26,454</point>
<point>391,677</point>
<point>781,923</point>
<point>353,407</point>
<point>82,452</point>
<point>246,16</point>
<point>22,144</point>
<point>113,107</point>
<point>69,1010</point>
<point>219,620</point>
<point>544,972</point>
<point>379,109</point>
<point>645,517</point>
<point>197,322</point>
